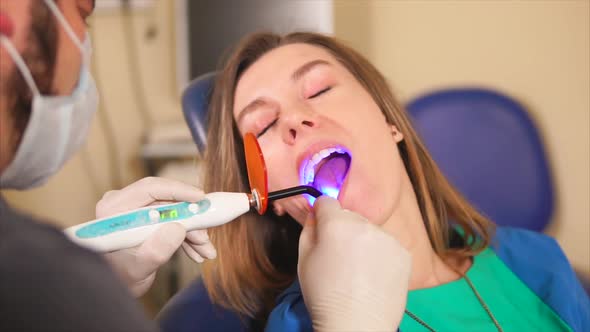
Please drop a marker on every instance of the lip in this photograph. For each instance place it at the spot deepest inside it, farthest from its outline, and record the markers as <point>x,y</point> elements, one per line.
<point>311,150</point>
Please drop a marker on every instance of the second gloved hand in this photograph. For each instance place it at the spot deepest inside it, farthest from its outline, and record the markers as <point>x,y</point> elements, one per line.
<point>353,275</point>
<point>137,266</point>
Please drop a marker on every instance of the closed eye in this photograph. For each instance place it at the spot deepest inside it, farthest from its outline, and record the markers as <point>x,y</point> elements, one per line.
<point>267,127</point>
<point>317,94</point>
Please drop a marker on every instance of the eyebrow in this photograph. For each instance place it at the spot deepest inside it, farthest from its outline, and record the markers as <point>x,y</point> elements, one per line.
<point>297,75</point>
<point>250,107</point>
<point>301,71</point>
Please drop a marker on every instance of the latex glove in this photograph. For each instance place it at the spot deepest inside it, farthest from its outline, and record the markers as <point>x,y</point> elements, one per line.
<point>137,266</point>
<point>353,275</point>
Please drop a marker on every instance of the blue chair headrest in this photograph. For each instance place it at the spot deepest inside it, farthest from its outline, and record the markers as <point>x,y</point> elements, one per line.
<point>191,310</point>
<point>488,147</point>
<point>195,105</point>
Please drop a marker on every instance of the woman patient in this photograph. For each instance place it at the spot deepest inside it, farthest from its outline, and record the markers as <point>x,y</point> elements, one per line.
<point>325,116</point>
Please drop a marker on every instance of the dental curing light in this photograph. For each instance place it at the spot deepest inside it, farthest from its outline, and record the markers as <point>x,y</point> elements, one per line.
<point>129,229</point>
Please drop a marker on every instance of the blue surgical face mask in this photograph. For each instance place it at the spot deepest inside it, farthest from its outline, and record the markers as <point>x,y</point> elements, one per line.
<point>58,125</point>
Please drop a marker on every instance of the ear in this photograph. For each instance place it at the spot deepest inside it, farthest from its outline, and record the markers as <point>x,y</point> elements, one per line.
<point>6,25</point>
<point>278,209</point>
<point>397,135</point>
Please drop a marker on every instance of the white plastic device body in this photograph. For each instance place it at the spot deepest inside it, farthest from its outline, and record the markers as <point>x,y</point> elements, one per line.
<point>129,229</point>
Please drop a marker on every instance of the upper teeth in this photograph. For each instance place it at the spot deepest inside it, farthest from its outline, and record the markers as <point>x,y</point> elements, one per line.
<point>309,168</point>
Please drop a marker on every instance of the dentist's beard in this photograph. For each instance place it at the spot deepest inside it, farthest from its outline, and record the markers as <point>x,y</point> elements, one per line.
<point>39,56</point>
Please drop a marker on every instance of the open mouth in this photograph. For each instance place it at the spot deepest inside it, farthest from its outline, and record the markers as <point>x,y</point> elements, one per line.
<point>327,169</point>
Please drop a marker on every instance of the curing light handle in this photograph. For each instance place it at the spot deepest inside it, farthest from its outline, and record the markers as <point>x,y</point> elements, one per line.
<point>129,229</point>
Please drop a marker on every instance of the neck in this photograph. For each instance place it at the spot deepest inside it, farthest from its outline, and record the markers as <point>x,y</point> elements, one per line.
<point>428,268</point>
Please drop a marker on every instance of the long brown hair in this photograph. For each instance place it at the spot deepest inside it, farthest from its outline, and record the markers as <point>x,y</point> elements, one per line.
<point>257,255</point>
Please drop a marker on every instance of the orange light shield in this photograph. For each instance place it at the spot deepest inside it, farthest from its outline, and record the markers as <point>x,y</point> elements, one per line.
<point>256,172</point>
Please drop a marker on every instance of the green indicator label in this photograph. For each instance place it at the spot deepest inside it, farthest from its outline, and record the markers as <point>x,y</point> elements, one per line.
<point>176,212</point>
<point>168,214</point>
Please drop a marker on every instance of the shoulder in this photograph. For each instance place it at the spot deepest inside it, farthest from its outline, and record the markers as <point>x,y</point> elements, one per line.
<point>538,261</point>
<point>524,251</point>
<point>33,239</point>
<point>59,284</point>
<point>29,236</point>
<point>509,238</point>
<point>290,314</point>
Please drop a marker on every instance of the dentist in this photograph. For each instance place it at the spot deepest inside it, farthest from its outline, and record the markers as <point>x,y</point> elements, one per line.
<point>47,102</point>
<point>47,283</point>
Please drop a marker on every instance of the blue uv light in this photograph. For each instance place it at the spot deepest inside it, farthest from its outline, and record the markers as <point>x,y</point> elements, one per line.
<point>328,191</point>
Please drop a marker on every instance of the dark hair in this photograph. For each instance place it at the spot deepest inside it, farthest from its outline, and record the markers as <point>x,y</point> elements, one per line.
<point>40,57</point>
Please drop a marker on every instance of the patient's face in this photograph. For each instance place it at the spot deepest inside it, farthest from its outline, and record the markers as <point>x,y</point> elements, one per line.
<point>317,125</point>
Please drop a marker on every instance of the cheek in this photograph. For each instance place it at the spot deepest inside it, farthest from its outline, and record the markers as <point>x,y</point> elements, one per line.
<point>280,169</point>
<point>68,57</point>
<point>376,179</point>
<point>297,207</point>
<point>375,192</point>
<point>282,174</point>
<point>67,64</point>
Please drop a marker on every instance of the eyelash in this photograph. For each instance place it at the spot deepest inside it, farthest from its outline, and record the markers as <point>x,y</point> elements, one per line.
<point>267,127</point>
<point>317,94</point>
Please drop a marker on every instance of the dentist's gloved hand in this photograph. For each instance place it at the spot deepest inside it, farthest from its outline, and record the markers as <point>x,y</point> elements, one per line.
<point>137,266</point>
<point>353,275</point>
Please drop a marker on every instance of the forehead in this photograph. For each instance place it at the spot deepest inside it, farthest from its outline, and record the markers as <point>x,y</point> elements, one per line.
<point>274,69</point>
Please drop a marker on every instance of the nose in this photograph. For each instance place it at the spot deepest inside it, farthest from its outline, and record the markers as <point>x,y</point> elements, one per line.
<point>295,124</point>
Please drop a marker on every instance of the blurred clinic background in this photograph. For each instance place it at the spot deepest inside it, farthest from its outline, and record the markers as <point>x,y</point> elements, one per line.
<point>146,52</point>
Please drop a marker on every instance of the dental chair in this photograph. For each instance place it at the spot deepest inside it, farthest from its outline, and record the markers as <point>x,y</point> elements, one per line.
<point>191,310</point>
<point>195,104</point>
<point>488,147</point>
<point>484,142</point>
<point>490,150</point>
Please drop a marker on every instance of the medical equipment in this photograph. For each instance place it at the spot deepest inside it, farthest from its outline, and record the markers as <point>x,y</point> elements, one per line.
<point>131,228</point>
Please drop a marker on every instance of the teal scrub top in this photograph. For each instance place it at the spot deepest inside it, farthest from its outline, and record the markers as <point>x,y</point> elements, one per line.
<point>524,277</point>
<point>455,307</point>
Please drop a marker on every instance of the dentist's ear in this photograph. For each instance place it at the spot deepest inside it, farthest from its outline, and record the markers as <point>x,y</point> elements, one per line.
<point>6,25</point>
<point>397,135</point>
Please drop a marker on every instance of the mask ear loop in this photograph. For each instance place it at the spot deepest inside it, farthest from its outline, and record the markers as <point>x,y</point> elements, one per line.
<point>64,23</point>
<point>20,63</point>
